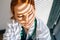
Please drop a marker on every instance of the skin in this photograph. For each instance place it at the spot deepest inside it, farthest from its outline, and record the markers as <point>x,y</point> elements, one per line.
<point>25,15</point>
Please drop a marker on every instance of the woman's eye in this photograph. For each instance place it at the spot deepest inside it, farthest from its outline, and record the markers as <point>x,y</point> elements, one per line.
<point>20,16</point>
<point>30,14</point>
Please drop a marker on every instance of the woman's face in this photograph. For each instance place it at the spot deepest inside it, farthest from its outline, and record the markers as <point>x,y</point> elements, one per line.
<point>24,14</point>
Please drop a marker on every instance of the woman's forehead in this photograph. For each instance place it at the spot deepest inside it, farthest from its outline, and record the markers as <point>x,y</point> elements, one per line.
<point>22,9</point>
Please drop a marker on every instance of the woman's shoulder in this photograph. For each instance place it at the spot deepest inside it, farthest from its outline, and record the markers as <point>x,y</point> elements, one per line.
<point>40,25</point>
<point>39,21</point>
<point>42,31</point>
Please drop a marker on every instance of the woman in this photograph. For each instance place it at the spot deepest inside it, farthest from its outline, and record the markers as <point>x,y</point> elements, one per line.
<point>24,24</point>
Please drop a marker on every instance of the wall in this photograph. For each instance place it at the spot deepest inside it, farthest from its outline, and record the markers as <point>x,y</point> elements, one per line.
<point>43,8</point>
<point>4,13</point>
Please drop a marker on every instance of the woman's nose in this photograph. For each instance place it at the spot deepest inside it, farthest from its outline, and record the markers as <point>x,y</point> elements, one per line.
<point>26,18</point>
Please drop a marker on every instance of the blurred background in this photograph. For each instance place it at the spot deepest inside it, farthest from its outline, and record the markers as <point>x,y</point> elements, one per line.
<point>47,10</point>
